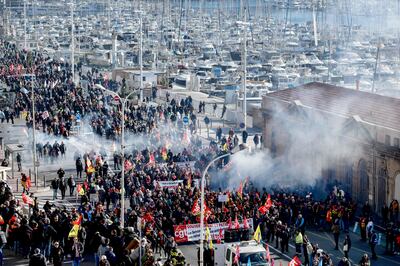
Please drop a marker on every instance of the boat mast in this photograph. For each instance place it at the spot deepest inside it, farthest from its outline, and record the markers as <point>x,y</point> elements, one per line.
<point>315,25</point>
<point>244,59</point>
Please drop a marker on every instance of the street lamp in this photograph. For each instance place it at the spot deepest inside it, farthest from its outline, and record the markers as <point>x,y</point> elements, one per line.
<point>141,53</point>
<point>72,42</point>
<point>202,185</point>
<point>123,102</point>
<point>244,61</point>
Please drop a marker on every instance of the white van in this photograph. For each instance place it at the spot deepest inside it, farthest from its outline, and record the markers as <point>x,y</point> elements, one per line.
<point>225,254</point>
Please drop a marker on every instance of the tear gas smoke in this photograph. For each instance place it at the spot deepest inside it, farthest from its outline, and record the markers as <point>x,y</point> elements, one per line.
<point>311,147</point>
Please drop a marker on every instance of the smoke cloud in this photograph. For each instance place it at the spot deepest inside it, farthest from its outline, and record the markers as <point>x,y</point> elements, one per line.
<point>313,142</point>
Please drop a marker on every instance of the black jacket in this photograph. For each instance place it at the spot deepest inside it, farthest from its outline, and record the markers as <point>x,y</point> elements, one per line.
<point>37,260</point>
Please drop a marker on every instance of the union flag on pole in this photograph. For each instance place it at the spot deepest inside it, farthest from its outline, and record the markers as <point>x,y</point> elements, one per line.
<point>27,200</point>
<point>78,221</point>
<point>89,166</point>
<point>295,261</point>
<point>245,223</point>
<point>196,208</point>
<point>237,255</point>
<point>237,225</point>
<point>152,160</point>
<point>268,204</point>
<point>80,189</point>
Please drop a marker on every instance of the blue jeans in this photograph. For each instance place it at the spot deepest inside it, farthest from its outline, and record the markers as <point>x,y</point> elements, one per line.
<point>76,261</point>
<point>47,249</point>
<point>96,259</point>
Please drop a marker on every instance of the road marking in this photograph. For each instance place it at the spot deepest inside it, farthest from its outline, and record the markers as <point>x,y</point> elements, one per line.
<point>352,247</point>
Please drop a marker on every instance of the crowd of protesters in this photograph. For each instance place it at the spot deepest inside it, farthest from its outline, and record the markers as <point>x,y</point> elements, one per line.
<point>44,233</point>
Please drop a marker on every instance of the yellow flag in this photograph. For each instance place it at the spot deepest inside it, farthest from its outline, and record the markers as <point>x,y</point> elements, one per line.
<point>257,234</point>
<point>74,231</point>
<point>209,238</point>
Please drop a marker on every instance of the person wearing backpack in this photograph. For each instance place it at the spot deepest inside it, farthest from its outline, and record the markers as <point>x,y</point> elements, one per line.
<point>372,243</point>
<point>37,259</point>
<point>72,185</point>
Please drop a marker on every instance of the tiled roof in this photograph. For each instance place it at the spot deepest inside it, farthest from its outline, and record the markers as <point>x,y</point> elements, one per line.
<point>377,109</point>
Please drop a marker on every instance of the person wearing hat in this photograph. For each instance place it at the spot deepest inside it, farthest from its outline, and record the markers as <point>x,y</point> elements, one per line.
<point>37,259</point>
<point>344,262</point>
<point>104,261</point>
<point>57,254</point>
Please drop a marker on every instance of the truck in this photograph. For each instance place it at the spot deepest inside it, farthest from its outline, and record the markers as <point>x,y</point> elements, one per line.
<point>224,254</point>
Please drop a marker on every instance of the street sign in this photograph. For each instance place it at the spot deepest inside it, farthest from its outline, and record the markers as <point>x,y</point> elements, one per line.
<point>185,120</point>
<point>37,164</point>
<point>241,125</point>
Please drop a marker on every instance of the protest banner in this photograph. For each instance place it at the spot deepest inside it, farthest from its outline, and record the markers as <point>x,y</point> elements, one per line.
<point>191,232</point>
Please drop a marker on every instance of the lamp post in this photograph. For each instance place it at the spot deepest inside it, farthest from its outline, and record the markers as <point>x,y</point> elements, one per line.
<point>123,102</point>
<point>244,63</point>
<point>72,42</point>
<point>141,53</point>
<point>35,163</point>
<point>25,24</point>
<point>202,185</point>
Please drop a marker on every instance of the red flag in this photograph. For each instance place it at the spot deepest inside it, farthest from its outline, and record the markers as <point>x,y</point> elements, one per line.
<point>220,236</point>
<point>268,254</point>
<point>237,225</point>
<point>196,208</point>
<point>27,200</point>
<point>152,160</point>
<point>78,221</point>
<point>19,69</point>
<point>230,223</point>
<point>86,185</point>
<point>295,261</point>
<point>237,255</point>
<point>268,204</point>
<point>148,217</point>
<point>245,223</point>
<point>207,212</point>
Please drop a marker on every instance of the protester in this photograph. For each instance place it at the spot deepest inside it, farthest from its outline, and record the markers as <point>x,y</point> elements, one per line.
<point>37,259</point>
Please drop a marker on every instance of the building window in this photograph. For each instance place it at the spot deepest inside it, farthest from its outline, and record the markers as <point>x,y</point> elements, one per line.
<point>387,140</point>
<point>396,142</point>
